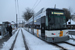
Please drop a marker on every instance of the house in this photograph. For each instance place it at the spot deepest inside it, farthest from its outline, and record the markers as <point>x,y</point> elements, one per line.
<point>71,24</point>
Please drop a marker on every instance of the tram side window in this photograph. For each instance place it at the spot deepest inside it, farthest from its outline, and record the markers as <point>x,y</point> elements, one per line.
<point>30,24</point>
<point>37,24</point>
<point>26,25</point>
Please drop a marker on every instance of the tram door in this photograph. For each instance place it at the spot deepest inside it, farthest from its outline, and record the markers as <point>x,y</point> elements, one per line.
<point>43,27</point>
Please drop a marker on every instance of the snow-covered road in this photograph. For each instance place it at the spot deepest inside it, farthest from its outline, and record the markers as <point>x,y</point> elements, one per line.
<point>33,43</point>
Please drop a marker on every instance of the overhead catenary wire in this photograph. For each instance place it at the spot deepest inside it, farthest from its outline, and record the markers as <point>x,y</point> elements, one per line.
<point>37,4</point>
<point>15,7</point>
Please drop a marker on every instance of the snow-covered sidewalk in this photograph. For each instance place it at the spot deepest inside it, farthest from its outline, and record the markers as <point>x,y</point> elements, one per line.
<point>36,44</point>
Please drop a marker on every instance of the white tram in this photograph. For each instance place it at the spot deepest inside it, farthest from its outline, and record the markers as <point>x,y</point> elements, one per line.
<point>49,24</point>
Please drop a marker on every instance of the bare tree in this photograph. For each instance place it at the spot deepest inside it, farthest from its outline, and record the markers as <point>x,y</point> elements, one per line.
<point>28,14</point>
<point>67,14</point>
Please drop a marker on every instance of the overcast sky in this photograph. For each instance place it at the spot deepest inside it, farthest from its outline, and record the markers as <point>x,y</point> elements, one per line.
<point>7,7</point>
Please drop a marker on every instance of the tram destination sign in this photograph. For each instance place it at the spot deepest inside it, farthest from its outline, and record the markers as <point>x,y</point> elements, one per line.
<point>58,13</point>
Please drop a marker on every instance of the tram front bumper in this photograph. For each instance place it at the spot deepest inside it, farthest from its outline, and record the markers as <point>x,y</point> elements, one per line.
<point>57,39</point>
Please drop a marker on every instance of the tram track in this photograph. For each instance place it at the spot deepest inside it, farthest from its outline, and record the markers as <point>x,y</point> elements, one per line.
<point>24,41</point>
<point>72,39</point>
<point>61,48</point>
<point>69,43</point>
<point>14,41</point>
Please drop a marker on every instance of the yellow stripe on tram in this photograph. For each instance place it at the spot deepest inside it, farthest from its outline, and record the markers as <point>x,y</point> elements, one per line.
<point>61,33</point>
<point>37,33</point>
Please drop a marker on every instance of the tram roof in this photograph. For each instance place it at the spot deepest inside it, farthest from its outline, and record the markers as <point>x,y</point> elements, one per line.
<point>40,11</point>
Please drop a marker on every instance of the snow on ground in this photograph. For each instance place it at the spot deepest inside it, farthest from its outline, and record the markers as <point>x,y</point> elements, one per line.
<point>71,36</point>
<point>33,43</point>
<point>71,40</point>
<point>7,45</point>
<point>13,30</point>
<point>36,44</point>
<point>19,44</point>
<point>67,46</point>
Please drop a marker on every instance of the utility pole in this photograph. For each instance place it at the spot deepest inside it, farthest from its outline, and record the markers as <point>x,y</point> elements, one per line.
<point>16,10</point>
<point>16,20</point>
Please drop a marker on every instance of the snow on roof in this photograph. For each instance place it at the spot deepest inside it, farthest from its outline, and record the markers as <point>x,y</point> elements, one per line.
<point>72,22</point>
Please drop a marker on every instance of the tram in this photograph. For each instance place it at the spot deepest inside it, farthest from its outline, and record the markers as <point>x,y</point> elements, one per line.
<point>49,24</point>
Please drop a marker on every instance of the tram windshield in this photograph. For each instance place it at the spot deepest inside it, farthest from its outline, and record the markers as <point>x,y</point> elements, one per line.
<point>57,21</point>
